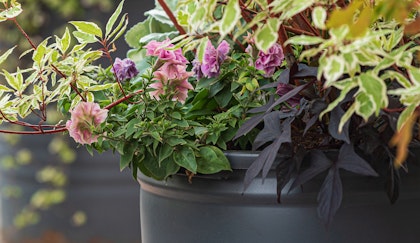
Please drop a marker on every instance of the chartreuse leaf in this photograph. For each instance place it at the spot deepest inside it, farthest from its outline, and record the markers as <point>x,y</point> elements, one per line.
<point>405,115</point>
<point>65,41</point>
<point>87,28</point>
<point>12,12</point>
<point>212,160</point>
<point>346,117</point>
<point>113,18</point>
<point>201,48</point>
<point>375,88</point>
<point>4,56</point>
<point>267,35</point>
<point>231,15</point>
<point>333,69</point>
<point>304,40</point>
<point>319,15</point>
<point>185,157</point>
<point>13,81</point>
<point>364,105</point>
<point>84,38</point>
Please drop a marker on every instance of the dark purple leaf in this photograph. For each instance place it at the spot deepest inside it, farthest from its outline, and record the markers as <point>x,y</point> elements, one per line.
<point>287,96</point>
<point>263,108</point>
<point>319,163</point>
<point>285,169</point>
<point>284,137</point>
<point>310,123</point>
<point>268,155</point>
<point>305,71</point>
<point>350,161</point>
<point>330,196</point>
<point>272,130</point>
<point>249,125</point>
<point>336,115</point>
<point>393,183</point>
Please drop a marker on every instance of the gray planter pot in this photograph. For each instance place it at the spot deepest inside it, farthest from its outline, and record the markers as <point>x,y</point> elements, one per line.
<point>215,209</point>
<point>96,187</point>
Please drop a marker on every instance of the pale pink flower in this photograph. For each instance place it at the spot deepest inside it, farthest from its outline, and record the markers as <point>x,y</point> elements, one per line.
<point>163,50</point>
<point>173,80</point>
<point>85,118</point>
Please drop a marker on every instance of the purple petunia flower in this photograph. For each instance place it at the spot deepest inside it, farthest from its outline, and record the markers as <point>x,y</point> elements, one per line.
<point>213,58</point>
<point>268,62</point>
<point>124,69</point>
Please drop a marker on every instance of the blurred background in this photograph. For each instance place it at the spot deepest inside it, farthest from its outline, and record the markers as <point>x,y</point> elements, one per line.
<point>51,191</point>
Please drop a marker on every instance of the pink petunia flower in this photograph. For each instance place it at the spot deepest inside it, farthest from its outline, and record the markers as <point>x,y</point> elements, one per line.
<point>213,58</point>
<point>85,118</point>
<point>171,79</point>
<point>268,62</point>
<point>163,50</point>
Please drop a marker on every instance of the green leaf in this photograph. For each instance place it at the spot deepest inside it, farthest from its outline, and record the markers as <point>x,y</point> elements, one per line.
<point>231,15</point>
<point>364,105</point>
<point>405,116</point>
<point>12,12</point>
<point>346,117</point>
<point>40,51</point>
<point>414,74</point>
<point>212,160</point>
<point>65,41</point>
<point>267,35</point>
<point>127,156</point>
<point>319,15</point>
<point>160,172</point>
<point>6,54</point>
<point>87,28</point>
<point>121,28</point>
<point>113,18</point>
<point>201,48</point>
<point>374,87</point>
<point>304,40</point>
<point>185,158</point>
<point>13,81</point>
<point>84,38</point>
<point>333,69</point>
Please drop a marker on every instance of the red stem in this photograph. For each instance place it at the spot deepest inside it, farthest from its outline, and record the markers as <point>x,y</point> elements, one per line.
<point>172,17</point>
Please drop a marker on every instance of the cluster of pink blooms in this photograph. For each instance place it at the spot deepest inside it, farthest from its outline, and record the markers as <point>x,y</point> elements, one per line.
<point>213,58</point>
<point>172,76</point>
<point>85,119</point>
<point>270,60</point>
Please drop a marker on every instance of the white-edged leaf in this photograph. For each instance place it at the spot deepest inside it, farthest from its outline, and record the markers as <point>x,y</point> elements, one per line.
<point>405,115</point>
<point>267,35</point>
<point>319,15</point>
<point>333,69</point>
<point>305,40</point>
<point>374,87</point>
<point>113,19</point>
<point>231,15</point>
<point>4,56</point>
<point>87,28</point>
<point>84,38</point>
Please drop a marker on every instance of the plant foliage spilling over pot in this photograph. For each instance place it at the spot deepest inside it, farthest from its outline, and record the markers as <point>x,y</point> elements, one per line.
<point>280,76</point>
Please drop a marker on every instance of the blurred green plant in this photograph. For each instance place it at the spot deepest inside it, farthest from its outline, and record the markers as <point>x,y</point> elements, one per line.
<point>45,17</point>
